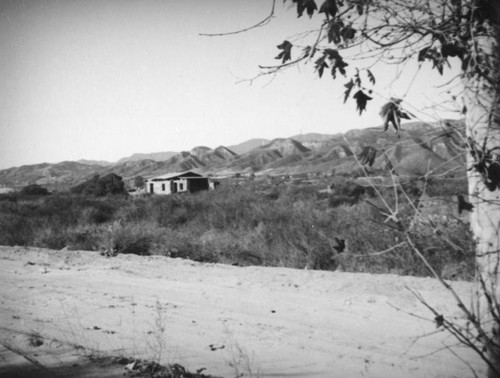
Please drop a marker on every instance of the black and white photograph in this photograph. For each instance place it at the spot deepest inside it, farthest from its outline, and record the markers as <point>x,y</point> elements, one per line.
<point>250,188</point>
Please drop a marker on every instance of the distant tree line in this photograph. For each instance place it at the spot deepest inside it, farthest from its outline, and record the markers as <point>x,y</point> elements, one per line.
<point>110,184</point>
<point>96,186</point>
<point>34,190</point>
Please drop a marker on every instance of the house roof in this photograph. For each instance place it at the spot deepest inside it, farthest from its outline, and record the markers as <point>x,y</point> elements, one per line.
<point>174,175</point>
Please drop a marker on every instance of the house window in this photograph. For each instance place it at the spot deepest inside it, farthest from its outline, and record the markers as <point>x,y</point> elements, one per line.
<point>163,187</point>
<point>181,186</point>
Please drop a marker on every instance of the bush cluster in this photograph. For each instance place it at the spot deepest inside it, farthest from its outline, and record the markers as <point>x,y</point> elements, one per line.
<point>111,184</point>
<point>243,222</point>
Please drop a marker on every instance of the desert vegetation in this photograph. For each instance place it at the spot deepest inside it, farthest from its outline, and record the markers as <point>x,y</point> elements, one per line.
<point>276,221</point>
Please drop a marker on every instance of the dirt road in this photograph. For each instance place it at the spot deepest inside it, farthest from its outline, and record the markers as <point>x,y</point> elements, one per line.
<point>267,322</point>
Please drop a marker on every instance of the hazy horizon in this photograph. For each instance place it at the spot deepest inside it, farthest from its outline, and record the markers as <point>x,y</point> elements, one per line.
<point>102,80</point>
<point>187,149</point>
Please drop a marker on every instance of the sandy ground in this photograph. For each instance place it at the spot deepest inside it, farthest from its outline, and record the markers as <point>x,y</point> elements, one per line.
<point>57,306</point>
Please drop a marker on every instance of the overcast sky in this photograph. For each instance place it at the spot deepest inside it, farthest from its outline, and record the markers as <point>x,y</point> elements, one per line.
<point>102,80</point>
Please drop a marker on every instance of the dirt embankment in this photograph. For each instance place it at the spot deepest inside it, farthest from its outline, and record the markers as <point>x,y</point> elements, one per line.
<point>267,322</point>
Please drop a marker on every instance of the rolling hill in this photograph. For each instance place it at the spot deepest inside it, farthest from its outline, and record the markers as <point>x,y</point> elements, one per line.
<point>55,176</point>
<point>269,155</point>
<point>421,147</point>
<point>156,156</point>
<point>249,145</point>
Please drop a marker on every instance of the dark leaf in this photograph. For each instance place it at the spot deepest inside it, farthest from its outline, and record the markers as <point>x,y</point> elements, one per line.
<point>334,30</point>
<point>452,49</point>
<point>360,4</point>
<point>439,65</point>
<point>361,100</point>
<point>367,155</point>
<point>320,65</point>
<point>310,7</point>
<point>340,247</point>
<point>422,54</point>
<point>433,55</point>
<point>348,90</point>
<point>388,165</point>
<point>341,67</point>
<point>307,51</point>
<point>486,11</point>
<point>337,62</point>
<point>305,5</point>
<point>331,54</point>
<point>439,320</point>
<point>392,113</point>
<point>357,78</point>
<point>329,8</point>
<point>404,115</point>
<point>465,63</point>
<point>348,33</point>
<point>463,204</point>
<point>370,76</point>
<point>300,7</point>
<point>493,176</point>
<point>286,54</point>
<point>389,115</point>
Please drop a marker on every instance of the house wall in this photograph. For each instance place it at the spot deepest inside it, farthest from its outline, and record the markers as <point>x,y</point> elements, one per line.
<point>181,185</point>
<point>167,186</point>
<point>158,187</point>
<point>178,185</point>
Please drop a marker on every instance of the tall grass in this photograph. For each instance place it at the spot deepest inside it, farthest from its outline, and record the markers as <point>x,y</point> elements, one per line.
<point>250,224</point>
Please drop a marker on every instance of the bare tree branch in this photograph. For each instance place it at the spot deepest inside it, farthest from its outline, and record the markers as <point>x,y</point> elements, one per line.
<point>259,24</point>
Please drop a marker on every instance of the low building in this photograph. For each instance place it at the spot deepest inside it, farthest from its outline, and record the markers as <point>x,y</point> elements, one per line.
<point>5,190</point>
<point>178,182</point>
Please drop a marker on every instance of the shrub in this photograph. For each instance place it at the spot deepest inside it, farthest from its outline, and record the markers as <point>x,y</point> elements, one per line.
<point>294,227</point>
<point>135,210</point>
<point>34,190</point>
<point>98,212</point>
<point>58,210</point>
<point>110,184</point>
<point>15,229</point>
<point>127,239</point>
<point>51,238</point>
<point>86,238</point>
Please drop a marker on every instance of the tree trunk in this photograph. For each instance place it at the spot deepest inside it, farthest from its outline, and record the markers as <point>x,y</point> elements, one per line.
<point>482,101</point>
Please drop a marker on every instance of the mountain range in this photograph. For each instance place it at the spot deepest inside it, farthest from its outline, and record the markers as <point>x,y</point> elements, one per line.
<point>422,147</point>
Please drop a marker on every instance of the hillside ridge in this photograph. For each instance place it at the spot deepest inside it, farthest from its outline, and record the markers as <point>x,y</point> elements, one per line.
<point>422,145</point>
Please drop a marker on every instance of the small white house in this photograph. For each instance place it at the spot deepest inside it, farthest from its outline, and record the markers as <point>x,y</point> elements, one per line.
<point>5,190</point>
<point>177,182</point>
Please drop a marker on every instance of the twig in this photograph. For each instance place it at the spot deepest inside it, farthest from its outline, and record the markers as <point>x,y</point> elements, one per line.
<point>418,338</point>
<point>259,24</point>
<point>409,313</point>
<point>366,175</point>
<point>465,339</point>
<point>463,360</point>
<point>28,358</point>
<point>381,252</point>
